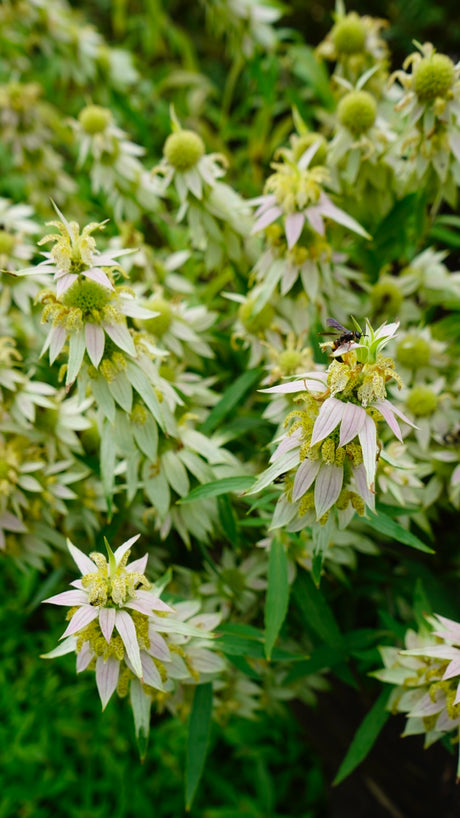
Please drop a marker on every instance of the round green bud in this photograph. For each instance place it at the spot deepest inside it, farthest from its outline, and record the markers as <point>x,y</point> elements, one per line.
<point>433,77</point>
<point>87,295</point>
<point>302,143</point>
<point>349,34</point>
<point>289,361</point>
<point>357,111</point>
<point>422,401</point>
<point>6,242</point>
<point>413,352</point>
<point>160,323</point>
<point>255,323</point>
<point>386,297</point>
<point>183,149</point>
<point>94,118</point>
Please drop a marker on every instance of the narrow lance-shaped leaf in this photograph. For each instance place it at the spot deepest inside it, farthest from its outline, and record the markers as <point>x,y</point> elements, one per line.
<point>198,737</point>
<point>276,603</point>
<point>365,737</point>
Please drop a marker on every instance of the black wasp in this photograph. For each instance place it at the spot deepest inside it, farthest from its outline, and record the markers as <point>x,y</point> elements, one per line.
<point>344,339</point>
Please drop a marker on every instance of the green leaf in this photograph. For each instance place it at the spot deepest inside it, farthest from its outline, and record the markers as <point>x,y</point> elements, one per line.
<point>227,519</point>
<point>390,528</point>
<point>365,737</point>
<point>218,487</point>
<point>276,602</point>
<point>198,737</point>
<point>316,612</point>
<point>231,399</point>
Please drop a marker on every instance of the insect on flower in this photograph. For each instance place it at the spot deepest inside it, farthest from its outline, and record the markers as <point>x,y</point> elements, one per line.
<point>344,340</point>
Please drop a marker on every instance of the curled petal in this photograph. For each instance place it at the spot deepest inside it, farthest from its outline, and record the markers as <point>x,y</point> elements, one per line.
<point>330,414</point>
<point>328,486</point>
<point>95,342</point>
<point>125,627</point>
<point>352,423</point>
<point>368,440</point>
<point>107,673</point>
<point>69,598</point>
<point>305,476</point>
<point>293,226</point>
<point>81,619</point>
<point>107,622</point>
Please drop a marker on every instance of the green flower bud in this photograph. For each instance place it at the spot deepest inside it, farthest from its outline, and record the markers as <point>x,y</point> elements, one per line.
<point>87,295</point>
<point>289,361</point>
<point>255,323</point>
<point>94,118</point>
<point>302,143</point>
<point>413,352</point>
<point>6,242</point>
<point>183,149</point>
<point>422,401</point>
<point>349,34</point>
<point>159,324</point>
<point>386,297</point>
<point>357,111</point>
<point>433,77</point>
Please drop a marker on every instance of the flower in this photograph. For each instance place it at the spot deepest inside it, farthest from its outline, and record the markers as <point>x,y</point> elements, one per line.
<point>133,640</point>
<point>75,255</point>
<point>332,443</point>
<point>427,679</point>
<point>295,192</point>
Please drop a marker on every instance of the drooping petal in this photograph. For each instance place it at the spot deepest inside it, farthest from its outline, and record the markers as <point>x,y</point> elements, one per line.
<point>328,486</point>
<point>150,674</point>
<point>77,348</point>
<point>305,476</point>
<point>95,342</point>
<point>313,215</point>
<point>69,598</point>
<point>124,547</point>
<point>63,282</point>
<point>329,416</point>
<point>98,275</point>
<point>352,422</point>
<point>81,619</point>
<point>120,336</point>
<point>268,217</point>
<point>125,627</point>
<point>67,646</point>
<point>152,601</point>
<point>332,212</point>
<point>364,491</point>
<point>386,410</point>
<point>158,646</point>
<point>107,622</point>
<point>293,226</point>
<point>84,657</point>
<point>453,668</point>
<point>428,707</point>
<point>368,440</point>
<point>58,336</point>
<point>288,443</point>
<point>83,562</point>
<point>311,382</point>
<point>107,673</point>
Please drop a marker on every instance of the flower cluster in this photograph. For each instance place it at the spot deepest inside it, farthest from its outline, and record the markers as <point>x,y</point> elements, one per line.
<point>426,679</point>
<point>329,454</point>
<point>120,628</point>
